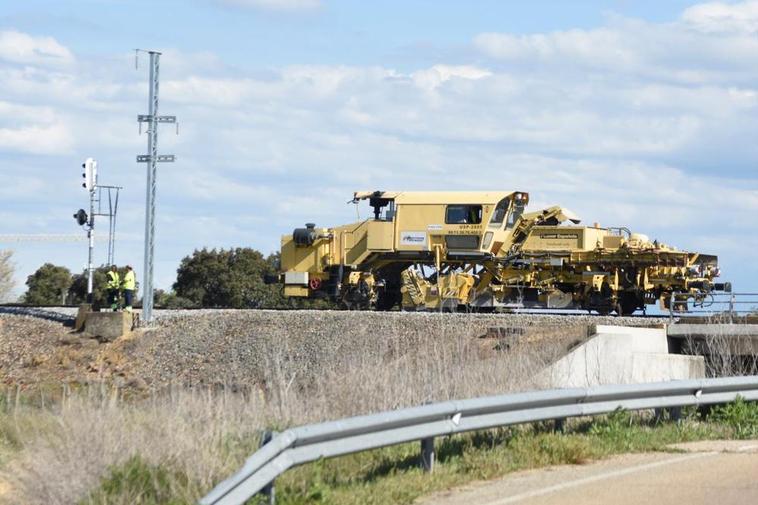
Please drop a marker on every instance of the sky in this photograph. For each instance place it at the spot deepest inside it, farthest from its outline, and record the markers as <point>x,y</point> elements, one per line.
<point>630,113</point>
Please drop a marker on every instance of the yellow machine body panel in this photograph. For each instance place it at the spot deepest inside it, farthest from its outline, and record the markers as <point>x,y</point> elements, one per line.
<point>380,236</point>
<point>565,238</point>
<point>301,259</point>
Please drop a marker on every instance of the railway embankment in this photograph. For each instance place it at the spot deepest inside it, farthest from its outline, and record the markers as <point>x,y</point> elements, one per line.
<point>244,347</point>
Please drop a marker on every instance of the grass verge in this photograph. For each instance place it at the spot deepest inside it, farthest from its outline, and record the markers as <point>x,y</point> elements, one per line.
<point>392,475</point>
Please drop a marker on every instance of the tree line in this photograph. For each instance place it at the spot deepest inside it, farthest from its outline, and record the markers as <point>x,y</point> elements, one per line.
<point>208,278</point>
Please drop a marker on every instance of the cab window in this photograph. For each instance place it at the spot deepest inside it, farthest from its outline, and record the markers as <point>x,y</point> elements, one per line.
<point>514,215</point>
<point>499,213</point>
<point>463,214</point>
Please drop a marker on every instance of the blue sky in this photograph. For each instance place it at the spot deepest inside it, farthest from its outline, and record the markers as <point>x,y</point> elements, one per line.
<point>393,33</point>
<point>631,113</point>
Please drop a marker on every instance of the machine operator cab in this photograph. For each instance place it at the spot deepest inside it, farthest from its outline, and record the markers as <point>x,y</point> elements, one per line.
<point>464,224</point>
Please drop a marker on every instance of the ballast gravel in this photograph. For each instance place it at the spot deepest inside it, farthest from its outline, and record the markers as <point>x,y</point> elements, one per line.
<point>242,347</point>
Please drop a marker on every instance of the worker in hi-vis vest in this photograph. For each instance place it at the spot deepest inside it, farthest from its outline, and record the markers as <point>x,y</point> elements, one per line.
<point>129,284</point>
<point>113,285</point>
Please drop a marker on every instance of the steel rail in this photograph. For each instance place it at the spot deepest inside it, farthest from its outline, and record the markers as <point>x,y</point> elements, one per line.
<point>533,312</point>
<point>556,312</point>
<point>310,443</point>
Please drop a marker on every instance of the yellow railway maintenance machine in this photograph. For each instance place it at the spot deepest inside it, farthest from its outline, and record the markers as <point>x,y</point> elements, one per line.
<point>482,251</point>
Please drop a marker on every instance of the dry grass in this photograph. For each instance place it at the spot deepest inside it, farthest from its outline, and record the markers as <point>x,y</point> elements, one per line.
<point>266,375</point>
<point>59,453</point>
<point>431,366</point>
<point>726,355</point>
<point>64,451</point>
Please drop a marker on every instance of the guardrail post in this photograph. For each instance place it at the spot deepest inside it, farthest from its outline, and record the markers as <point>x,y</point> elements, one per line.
<point>427,454</point>
<point>559,425</point>
<point>672,413</point>
<point>675,414</point>
<point>269,490</point>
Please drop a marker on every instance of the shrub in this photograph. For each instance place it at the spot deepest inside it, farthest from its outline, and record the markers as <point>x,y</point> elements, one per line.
<point>740,415</point>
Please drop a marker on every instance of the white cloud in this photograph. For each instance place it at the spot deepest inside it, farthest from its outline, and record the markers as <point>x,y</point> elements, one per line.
<point>275,5</point>
<point>207,92</point>
<point>720,17</point>
<point>432,77</point>
<point>36,130</point>
<point>51,139</point>
<point>599,47</point>
<point>671,52</point>
<point>321,81</point>
<point>17,47</point>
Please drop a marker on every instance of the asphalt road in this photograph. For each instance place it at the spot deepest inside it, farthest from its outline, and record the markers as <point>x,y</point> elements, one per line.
<point>723,473</point>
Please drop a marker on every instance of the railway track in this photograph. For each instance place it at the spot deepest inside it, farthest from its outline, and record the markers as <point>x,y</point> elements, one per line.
<point>10,308</point>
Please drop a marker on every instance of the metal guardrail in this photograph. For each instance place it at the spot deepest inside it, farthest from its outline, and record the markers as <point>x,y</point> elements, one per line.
<point>720,305</point>
<point>305,444</point>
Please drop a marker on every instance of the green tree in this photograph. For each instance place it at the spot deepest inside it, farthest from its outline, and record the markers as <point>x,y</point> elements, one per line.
<point>228,278</point>
<point>49,285</point>
<point>78,291</point>
<point>170,300</point>
<point>6,274</point>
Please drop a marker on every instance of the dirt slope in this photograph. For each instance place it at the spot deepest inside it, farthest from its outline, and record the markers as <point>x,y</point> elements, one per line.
<point>238,347</point>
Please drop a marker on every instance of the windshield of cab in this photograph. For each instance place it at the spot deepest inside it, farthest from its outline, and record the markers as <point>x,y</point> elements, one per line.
<point>499,213</point>
<point>514,215</point>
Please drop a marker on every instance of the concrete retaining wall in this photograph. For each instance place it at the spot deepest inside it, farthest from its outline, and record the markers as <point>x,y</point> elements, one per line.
<point>622,355</point>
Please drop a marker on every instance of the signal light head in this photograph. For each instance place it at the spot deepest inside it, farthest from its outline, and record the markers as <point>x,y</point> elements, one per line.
<point>81,217</point>
<point>90,174</point>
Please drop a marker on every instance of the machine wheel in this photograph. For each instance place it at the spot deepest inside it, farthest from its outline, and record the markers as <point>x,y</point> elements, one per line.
<point>357,297</point>
<point>601,300</point>
<point>387,299</point>
<point>627,304</point>
<point>389,296</point>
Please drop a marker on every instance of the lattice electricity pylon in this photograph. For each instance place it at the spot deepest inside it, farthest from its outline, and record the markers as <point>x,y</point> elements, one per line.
<point>151,158</point>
